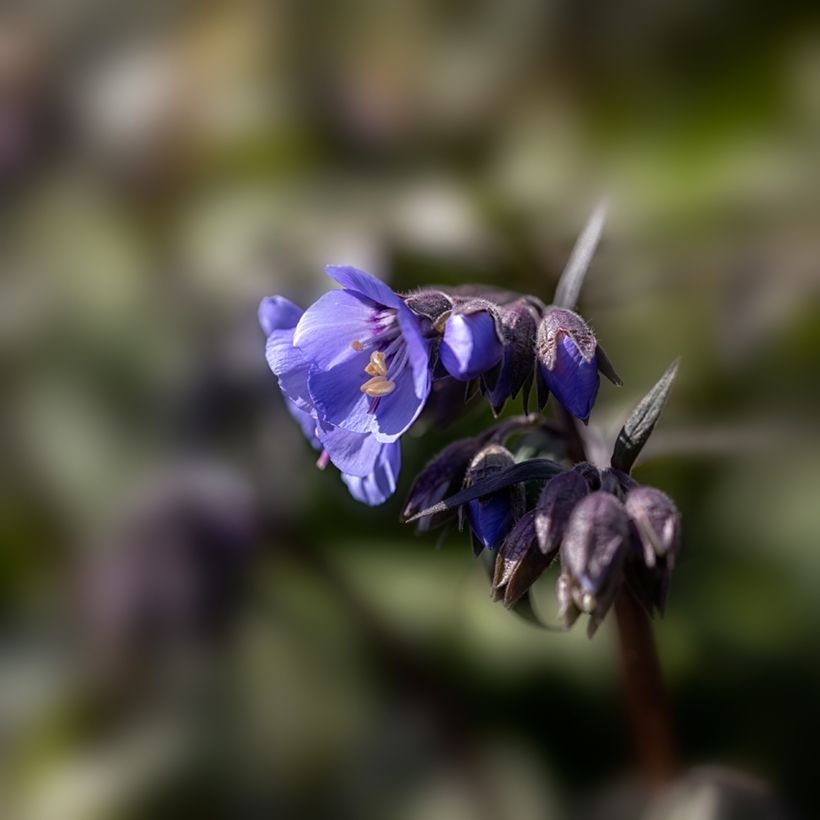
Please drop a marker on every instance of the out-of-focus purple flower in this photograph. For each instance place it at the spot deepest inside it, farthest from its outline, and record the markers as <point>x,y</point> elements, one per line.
<point>470,345</point>
<point>369,467</point>
<point>366,356</point>
<point>568,356</point>
<point>491,517</point>
<point>657,522</point>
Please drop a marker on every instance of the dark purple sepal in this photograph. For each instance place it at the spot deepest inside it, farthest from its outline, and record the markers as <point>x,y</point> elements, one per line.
<point>518,329</point>
<point>519,562</point>
<point>554,508</point>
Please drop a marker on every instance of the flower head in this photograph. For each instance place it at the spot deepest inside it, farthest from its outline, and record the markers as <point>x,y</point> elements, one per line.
<point>366,357</point>
<point>369,466</point>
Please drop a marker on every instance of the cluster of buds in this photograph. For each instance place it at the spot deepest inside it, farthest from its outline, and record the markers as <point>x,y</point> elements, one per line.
<point>602,527</point>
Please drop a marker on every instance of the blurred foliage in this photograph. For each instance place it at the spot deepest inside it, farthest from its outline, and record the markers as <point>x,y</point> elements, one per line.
<point>164,166</point>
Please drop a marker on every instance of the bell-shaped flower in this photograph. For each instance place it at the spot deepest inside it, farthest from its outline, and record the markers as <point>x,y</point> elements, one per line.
<point>367,358</point>
<point>369,468</point>
<point>492,516</point>
<point>518,325</point>
<point>568,357</point>
<point>470,345</point>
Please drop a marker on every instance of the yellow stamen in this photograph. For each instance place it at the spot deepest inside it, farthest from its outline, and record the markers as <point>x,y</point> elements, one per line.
<point>371,370</point>
<point>379,363</point>
<point>378,386</point>
<point>357,345</point>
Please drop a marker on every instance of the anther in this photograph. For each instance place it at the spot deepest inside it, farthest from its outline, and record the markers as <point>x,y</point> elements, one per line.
<point>379,363</point>
<point>357,345</point>
<point>378,386</point>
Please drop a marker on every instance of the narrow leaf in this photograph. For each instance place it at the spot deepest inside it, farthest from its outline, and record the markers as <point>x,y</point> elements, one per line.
<point>535,468</point>
<point>635,433</point>
<point>569,285</point>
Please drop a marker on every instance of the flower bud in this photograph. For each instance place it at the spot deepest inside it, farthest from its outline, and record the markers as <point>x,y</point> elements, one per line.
<point>657,522</point>
<point>567,354</point>
<point>491,517</point>
<point>593,553</point>
<point>555,505</point>
<point>518,325</point>
<point>441,477</point>
<point>470,345</point>
<point>520,562</point>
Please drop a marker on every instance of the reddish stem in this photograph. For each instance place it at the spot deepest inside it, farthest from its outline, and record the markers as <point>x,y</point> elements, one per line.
<point>647,707</point>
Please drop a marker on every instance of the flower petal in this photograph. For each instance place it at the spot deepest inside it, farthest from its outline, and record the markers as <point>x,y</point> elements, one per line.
<point>290,367</point>
<point>337,396</point>
<point>276,313</point>
<point>397,411</point>
<point>470,345</point>
<point>381,483</point>
<point>306,421</point>
<point>418,350</point>
<point>365,284</point>
<point>573,380</point>
<point>353,453</point>
<point>329,326</point>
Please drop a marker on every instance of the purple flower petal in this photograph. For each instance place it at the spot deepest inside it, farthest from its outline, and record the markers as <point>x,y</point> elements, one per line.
<point>396,412</point>
<point>290,367</point>
<point>276,313</point>
<point>377,487</point>
<point>306,421</point>
<point>357,280</point>
<point>331,324</point>
<point>337,396</point>
<point>573,380</point>
<point>470,345</point>
<point>418,351</point>
<point>353,453</point>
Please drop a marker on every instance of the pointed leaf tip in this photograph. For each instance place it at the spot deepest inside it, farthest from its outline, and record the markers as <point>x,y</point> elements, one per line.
<point>569,285</point>
<point>638,427</point>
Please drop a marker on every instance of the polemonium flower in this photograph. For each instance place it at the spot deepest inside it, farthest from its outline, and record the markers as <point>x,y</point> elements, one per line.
<point>568,357</point>
<point>369,468</point>
<point>367,358</point>
<point>470,345</point>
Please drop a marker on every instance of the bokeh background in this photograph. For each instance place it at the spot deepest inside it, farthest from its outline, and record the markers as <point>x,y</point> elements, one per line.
<point>196,622</point>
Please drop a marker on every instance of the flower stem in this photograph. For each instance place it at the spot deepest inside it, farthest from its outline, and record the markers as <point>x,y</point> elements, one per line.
<point>647,707</point>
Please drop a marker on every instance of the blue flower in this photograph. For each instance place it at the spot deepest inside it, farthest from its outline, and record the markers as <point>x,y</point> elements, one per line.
<point>568,357</point>
<point>367,360</point>
<point>470,345</point>
<point>369,459</point>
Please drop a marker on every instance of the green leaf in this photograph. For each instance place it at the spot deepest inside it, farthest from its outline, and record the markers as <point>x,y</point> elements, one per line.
<point>635,433</point>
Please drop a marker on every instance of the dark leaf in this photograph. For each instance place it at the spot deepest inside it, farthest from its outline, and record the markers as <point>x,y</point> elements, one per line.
<point>531,470</point>
<point>569,285</point>
<point>635,433</point>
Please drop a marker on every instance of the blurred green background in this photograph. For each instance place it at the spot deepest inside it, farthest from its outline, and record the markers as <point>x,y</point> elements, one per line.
<point>195,621</point>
